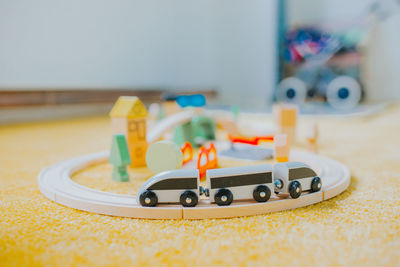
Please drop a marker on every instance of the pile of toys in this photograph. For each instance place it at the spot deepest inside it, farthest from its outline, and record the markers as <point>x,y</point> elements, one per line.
<point>172,160</point>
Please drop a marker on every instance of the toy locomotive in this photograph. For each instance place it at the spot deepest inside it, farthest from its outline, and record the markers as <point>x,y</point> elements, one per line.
<point>227,184</point>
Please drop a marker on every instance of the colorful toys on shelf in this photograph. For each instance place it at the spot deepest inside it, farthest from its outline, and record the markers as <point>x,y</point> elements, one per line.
<point>286,116</point>
<point>207,159</point>
<point>163,156</point>
<point>128,117</point>
<point>294,178</point>
<point>119,158</point>
<point>227,184</point>
<point>187,152</point>
<point>282,148</point>
<point>321,66</point>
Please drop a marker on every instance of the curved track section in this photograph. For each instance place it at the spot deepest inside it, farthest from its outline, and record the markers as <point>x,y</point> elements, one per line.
<point>56,184</point>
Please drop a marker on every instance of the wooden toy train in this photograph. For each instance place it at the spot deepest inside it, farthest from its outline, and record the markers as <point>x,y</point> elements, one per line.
<point>227,184</point>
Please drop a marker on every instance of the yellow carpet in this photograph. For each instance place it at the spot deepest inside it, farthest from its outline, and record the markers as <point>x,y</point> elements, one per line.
<point>359,227</point>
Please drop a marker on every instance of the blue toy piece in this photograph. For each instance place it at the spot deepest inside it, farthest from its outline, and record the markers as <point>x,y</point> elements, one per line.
<point>198,100</point>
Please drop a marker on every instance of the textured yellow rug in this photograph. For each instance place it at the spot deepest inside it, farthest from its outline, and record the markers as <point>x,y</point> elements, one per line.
<point>359,227</point>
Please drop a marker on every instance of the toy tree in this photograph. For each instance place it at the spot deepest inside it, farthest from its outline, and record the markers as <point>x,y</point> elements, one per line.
<point>119,158</point>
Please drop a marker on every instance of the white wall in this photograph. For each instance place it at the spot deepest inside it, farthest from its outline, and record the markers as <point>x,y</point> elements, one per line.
<point>177,44</point>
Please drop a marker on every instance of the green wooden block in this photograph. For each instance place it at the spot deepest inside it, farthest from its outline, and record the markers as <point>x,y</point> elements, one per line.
<point>204,129</point>
<point>184,133</point>
<point>119,158</point>
<point>163,156</point>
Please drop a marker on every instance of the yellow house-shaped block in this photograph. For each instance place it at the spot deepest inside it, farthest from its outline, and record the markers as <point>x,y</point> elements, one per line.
<point>128,117</point>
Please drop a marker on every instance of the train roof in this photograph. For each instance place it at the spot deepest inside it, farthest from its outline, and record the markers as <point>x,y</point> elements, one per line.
<point>169,174</point>
<point>292,165</point>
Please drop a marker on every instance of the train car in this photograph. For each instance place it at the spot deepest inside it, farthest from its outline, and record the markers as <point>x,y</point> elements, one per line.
<point>175,186</point>
<point>249,182</point>
<point>294,178</point>
<point>228,184</point>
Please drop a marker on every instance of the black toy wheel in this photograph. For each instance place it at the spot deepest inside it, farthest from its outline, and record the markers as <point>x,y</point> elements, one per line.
<point>148,199</point>
<point>223,197</point>
<point>316,184</point>
<point>295,189</point>
<point>261,193</point>
<point>188,199</point>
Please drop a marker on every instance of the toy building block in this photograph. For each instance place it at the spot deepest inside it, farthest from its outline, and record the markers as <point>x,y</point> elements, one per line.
<point>196,131</point>
<point>312,138</point>
<point>163,156</point>
<point>128,117</point>
<point>204,129</point>
<point>256,140</point>
<point>207,159</point>
<point>286,116</point>
<point>197,100</point>
<point>184,133</point>
<point>282,148</point>
<point>187,152</point>
<point>119,158</point>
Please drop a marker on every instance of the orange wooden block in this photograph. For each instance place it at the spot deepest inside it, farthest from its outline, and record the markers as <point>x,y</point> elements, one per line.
<point>312,138</point>
<point>282,148</point>
<point>286,117</point>
<point>128,117</point>
<point>187,152</point>
<point>207,159</point>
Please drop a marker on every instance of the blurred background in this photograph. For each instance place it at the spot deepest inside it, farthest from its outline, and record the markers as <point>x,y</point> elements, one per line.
<point>74,58</point>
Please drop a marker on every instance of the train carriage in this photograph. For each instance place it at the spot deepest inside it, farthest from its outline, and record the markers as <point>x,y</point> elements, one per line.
<point>176,186</point>
<point>249,182</point>
<point>294,178</point>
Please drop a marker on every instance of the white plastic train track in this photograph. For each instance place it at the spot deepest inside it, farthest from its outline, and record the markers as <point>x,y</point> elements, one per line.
<point>56,184</point>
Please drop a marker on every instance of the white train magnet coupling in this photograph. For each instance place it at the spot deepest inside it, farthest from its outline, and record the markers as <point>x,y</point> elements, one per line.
<point>225,185</point>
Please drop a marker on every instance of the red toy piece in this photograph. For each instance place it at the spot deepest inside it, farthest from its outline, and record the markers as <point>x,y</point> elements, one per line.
<point>207,159</point>
<point>187,152</point>
<point>251,141</point>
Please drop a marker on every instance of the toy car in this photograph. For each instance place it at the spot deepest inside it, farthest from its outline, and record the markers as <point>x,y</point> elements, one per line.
<point>294,178</point>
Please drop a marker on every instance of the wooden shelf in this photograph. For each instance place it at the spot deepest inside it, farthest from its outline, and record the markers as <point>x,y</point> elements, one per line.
<point>15,98</point>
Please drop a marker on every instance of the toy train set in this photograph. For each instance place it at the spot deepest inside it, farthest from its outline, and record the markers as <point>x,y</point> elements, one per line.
<point>175,191</point>
<point>227,184</point>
